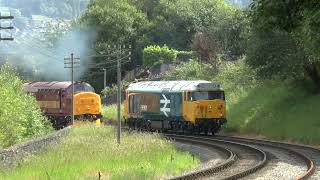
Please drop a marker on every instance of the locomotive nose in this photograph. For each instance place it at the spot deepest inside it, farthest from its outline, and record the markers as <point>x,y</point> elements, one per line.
<point>210,109</point>
<point>87,103</point>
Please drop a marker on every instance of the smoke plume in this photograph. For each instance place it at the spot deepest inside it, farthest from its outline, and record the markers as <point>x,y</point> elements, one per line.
<point>34,57</point>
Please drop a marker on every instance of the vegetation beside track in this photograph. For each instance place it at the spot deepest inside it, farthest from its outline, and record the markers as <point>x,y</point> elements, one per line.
<point>282,110</point>
<point>88,150</point>
<point>20,117</point>
<point>109,114</point>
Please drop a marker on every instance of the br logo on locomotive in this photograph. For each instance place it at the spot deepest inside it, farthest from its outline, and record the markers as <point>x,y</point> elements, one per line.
<point>165,102</point>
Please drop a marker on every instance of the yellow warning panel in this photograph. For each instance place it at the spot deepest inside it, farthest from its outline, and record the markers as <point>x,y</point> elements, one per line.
<point>98,122</point>
<point>78,122</point>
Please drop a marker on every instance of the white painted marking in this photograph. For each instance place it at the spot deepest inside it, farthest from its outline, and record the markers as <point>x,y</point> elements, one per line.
<point>165,101</point>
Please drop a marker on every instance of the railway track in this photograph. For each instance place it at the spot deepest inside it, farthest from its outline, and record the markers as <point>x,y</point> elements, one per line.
<point>246,156</point>
<point>242,159</point>
<point>310,155</point>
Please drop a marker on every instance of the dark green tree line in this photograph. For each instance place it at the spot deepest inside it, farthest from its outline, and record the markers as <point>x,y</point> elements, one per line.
<point>285,39</point>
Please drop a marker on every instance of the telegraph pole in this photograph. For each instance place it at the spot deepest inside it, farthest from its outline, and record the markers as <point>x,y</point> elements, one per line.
<point>72,63</point>
<point>104,78</point>
<point>8,27</point>
<point>120,50</point>
<point>119,94</point>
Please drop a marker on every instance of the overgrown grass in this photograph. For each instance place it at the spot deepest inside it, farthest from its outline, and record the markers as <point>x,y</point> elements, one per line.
<point>88,150</point>
<point>109,114</point>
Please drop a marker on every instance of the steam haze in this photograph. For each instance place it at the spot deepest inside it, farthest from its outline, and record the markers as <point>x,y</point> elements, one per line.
<point>34,56</point>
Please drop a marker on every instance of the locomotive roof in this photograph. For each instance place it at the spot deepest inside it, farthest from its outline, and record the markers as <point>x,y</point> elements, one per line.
<point>34,86</point>
<point>171,86</point>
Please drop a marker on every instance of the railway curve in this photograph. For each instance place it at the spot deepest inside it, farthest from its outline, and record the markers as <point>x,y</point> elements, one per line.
<point>243,159</point>
<point>310,155</point>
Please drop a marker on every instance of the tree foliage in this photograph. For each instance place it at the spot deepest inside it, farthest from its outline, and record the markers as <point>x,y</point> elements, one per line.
<point>192,70</point>
<point>153,55</point>
<point>142,23</point>
<point>115,22</point>
<point>285,38</point>
<point>20,117</point>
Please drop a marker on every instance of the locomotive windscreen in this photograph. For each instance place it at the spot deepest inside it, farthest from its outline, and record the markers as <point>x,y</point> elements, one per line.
<point>83,87</point>
<point>207,95</point>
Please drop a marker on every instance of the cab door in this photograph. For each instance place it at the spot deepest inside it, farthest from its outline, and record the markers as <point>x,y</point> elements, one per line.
<point>185,106</point>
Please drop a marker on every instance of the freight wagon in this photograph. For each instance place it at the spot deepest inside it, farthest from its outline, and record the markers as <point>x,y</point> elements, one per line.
<point>188,106</point>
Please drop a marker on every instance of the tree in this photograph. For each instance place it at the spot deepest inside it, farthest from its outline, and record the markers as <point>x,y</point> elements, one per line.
<point>115,22</point>
<point>294,29</point>
<point>153,55</point>
<point>219,22</point>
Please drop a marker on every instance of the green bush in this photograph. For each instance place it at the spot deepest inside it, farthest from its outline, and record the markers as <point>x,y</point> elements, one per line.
<point>20,117</point>
<point>113,89</point>
<point>185,55</point>
<point>109,113</point>
<point>153,55</point>
<point>192,70</point>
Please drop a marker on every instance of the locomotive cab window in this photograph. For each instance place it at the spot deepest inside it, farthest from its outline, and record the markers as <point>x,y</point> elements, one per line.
<point>207,95</point>
<point>81,88</point>
<point>189,97</point>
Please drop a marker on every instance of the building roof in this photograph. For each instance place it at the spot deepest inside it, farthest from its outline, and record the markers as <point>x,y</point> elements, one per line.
<point>171,86</point>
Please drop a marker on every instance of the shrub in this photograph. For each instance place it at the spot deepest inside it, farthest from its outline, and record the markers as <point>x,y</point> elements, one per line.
<point>153,55</point>
<point>185,55</point>
<point>192,70</point>
<point>20,117</point>
<point>113,89</point>
<point>110,113</point>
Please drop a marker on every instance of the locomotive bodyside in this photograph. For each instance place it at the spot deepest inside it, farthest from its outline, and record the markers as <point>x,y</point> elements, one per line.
<point>175,105</point>
<point>55,99</point>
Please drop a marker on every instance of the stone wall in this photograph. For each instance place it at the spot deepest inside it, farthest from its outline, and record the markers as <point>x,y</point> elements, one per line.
<point>11,156</point>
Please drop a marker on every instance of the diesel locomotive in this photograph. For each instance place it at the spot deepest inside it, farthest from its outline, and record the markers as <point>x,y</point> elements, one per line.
<point>187,106</point>
<point>55,99</point>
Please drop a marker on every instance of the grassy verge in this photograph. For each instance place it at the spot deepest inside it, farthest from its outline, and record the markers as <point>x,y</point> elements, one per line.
<point>109,113</point>
<point>88,150</point>
<point>272,108</point>
<point>277,110</point>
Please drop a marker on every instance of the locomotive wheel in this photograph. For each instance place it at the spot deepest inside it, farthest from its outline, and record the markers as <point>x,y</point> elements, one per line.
<point>205,130</point>
<point>189,128</point>
<point>148,125</point>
